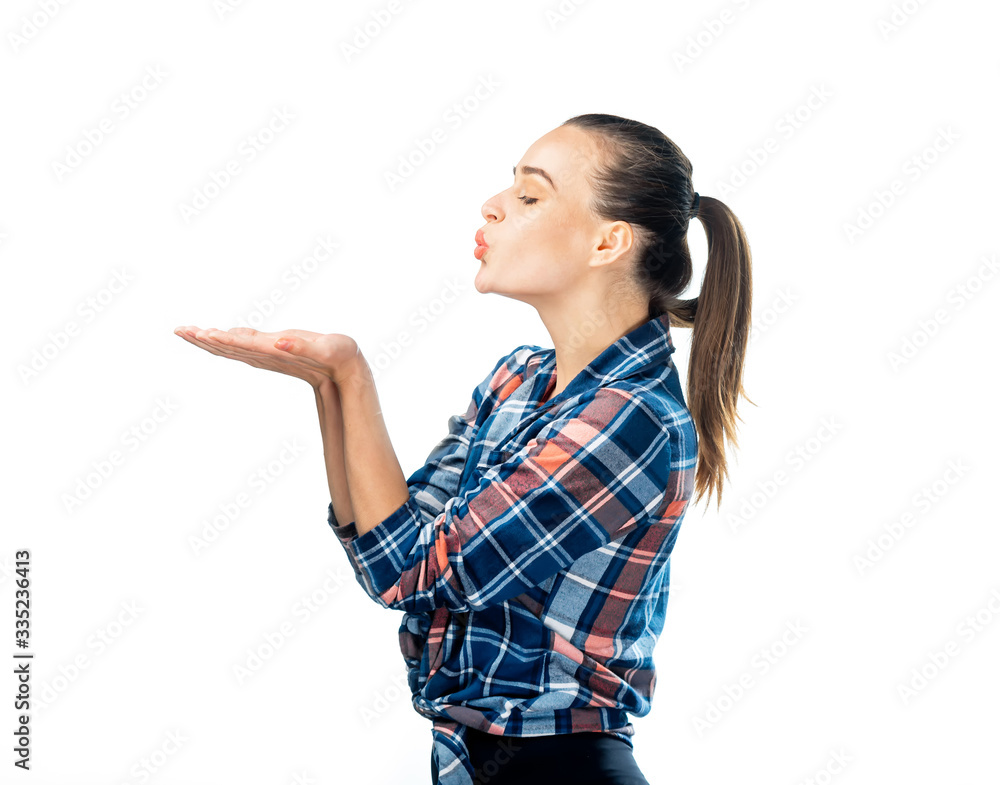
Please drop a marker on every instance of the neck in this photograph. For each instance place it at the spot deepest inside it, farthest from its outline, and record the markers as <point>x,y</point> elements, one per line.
<point>580,334</point>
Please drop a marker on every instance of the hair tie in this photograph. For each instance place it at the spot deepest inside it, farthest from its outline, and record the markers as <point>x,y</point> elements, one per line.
<point>694,205</point>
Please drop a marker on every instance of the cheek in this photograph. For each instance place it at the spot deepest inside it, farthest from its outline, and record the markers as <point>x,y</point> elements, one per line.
<point>553,236</point>
<point>541,270</point>
<point>546,251</point>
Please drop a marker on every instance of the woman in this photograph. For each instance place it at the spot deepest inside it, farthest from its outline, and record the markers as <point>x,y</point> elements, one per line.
<point>530,553</point>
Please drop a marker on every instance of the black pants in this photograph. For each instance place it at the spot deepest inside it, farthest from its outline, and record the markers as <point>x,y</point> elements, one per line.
<point>573,758</point>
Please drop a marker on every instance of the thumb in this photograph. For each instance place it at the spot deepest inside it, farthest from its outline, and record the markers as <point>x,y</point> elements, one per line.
<point>289,344</point>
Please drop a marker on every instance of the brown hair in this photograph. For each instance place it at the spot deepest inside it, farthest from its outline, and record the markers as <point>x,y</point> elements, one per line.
<point>643,178</point>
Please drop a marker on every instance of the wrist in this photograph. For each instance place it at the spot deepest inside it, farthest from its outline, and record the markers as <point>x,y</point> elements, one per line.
<point>352,373</point>
<point>324,388</point>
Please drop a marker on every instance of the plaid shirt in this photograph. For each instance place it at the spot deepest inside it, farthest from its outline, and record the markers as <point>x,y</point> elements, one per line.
<point>532,559</point>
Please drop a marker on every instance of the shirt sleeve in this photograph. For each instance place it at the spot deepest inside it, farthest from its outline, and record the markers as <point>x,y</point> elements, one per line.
<point>587,478</point>
<point>437,481</point>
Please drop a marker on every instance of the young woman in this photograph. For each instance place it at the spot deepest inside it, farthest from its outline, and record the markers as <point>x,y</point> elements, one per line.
<point>531,552</point>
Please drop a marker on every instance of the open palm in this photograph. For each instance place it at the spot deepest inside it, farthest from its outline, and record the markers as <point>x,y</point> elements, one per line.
<point>314,357</point>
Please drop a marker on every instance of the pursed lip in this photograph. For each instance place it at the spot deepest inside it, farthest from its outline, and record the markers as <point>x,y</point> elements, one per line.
<point>481,239</point>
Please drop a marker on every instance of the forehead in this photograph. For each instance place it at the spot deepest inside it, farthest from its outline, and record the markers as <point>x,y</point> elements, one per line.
<point>565,153</point>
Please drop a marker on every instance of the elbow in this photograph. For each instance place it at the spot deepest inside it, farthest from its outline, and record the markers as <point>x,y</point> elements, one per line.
<point>397,599</point>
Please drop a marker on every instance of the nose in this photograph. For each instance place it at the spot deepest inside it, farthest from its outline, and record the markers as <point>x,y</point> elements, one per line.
<point>491,209</point>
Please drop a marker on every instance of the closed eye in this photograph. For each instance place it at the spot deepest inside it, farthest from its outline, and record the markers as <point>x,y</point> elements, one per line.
<point>528,199</point>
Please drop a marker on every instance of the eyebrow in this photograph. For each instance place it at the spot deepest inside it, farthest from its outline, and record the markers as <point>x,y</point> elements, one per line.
<point>536,170</point>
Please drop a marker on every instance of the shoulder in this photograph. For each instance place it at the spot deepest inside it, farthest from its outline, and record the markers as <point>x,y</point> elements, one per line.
<point>652,409</point>
<point>639,416</point>
<point>648,401</point>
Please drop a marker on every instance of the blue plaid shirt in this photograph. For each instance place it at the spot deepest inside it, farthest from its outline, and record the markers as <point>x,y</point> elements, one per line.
<point>532,559</point>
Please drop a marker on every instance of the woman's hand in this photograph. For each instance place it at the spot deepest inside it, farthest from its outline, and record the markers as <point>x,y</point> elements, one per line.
<point>315,357</point>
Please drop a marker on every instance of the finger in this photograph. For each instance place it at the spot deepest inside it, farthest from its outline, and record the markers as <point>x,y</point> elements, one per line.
<point>259,344</point>
<point>257,360</point>
<point>270,360</point>
<point>214,335</point>
<point>200,337</point>
<point>259,333</point>
<point>206,346</point>
<point>254,349</point>
<point>274,361</point>
<point>235,352</point>
<point>264,357</point>
<point>187,333</point>
<point>192,337</point>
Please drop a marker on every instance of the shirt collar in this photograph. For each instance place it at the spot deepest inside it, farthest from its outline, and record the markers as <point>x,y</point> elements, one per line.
<point>644,350</point>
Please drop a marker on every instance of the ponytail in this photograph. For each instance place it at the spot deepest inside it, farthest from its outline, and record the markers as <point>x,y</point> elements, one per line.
<point>644,178</point>
<point>720,318</point>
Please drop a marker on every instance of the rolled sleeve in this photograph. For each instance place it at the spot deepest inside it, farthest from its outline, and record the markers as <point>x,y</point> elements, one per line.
<point>346,531</point>
<point>431,485</point>
<point>378,555</point>
<point>392,531</point>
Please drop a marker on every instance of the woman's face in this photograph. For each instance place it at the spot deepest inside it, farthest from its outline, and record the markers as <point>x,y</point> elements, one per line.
<point>540,232</point>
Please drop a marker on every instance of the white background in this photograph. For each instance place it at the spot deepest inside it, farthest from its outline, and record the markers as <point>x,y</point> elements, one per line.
<point>880,438</point>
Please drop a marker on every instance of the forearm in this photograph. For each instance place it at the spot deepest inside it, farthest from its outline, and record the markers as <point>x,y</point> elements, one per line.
<point>375,478</point>
<point>331,425</point>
